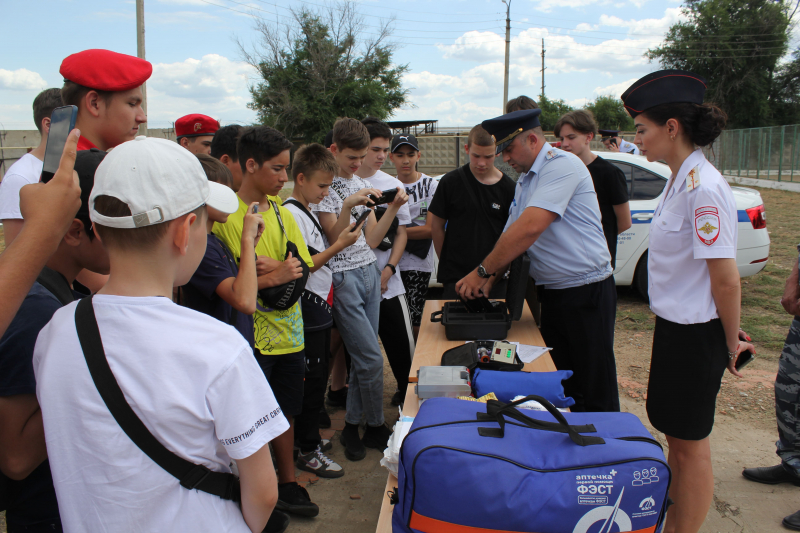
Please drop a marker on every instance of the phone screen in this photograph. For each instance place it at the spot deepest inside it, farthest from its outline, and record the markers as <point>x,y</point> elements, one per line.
<point>360,219</point>
<point>62,121</point>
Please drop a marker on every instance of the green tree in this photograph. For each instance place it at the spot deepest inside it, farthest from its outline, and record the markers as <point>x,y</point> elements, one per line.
<point>610,114</point>
<point>322,67</point>
<point>785,97</point>
<point>735,45</point>
<point>551,112</point>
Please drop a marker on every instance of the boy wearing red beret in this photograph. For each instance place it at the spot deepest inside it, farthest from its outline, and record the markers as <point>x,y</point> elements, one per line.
<point>195,132</point>
<point>106,87</point>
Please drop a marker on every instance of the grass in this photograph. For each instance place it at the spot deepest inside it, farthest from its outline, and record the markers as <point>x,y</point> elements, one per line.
<point>763,318</point>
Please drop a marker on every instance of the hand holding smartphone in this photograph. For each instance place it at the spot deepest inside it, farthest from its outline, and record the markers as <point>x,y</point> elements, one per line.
<point>386,197</point>
<point>62,121</point>
<point>361,219</point>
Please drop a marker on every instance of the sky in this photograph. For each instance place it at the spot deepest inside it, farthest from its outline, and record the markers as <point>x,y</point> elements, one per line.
<point>454,50</point>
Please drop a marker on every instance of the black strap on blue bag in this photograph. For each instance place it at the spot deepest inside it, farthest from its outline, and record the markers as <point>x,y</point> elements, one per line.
<point>190,475</point>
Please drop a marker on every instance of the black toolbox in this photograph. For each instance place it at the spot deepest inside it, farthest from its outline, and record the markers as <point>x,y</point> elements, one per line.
<point>459,324</point>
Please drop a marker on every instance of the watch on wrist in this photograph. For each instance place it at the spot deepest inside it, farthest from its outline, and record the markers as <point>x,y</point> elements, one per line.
<point>394,269</point>
<point>482,272</point>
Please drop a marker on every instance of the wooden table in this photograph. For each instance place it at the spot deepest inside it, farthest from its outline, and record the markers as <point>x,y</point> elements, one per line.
<point>431,343</point>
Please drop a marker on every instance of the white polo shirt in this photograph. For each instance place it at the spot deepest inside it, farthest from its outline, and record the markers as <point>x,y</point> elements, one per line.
<point>27,169</point>
<point>694,221</point>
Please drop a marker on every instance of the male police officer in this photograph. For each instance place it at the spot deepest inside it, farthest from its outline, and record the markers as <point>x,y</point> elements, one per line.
<point>614,143</point>
<point>555,217</point>
<point>195,132</point>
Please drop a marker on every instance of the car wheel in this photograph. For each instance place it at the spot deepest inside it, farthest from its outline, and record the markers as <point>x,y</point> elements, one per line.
<point>640,277</point>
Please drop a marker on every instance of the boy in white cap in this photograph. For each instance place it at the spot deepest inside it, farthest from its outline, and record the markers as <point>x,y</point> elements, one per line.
<point>188,378</point>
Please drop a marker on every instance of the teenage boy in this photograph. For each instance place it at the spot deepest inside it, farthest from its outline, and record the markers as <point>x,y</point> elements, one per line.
<point>155,238</point>
<point>576,130</point>
<point>279,341</point>
<point>28,168</point>
<point>195,132</point>
<point>221,287</point>
<point>416,264</point>
<point>394,327</point>
<point>473,201</point>
<point>223,147</point>
<point>107,89</point>
<point>23,457</point>
<point>356,285</point>
<point>313,169</point>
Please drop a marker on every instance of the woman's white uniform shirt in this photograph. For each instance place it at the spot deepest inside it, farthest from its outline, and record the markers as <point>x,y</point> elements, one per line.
<point>695,220</point>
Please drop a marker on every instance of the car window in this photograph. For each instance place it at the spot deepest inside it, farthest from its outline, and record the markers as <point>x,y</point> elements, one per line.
<point>646,185</point>
<point>628,171</point>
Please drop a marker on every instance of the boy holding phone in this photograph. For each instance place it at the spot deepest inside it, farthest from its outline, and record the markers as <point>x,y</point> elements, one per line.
<point>313,169</point>
<point>356,283</point>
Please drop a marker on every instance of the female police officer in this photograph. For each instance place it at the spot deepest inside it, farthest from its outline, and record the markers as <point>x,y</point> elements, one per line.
<point>693,281</point>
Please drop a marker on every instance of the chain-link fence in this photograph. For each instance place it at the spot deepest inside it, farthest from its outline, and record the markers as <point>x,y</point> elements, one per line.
<point>771,153</point>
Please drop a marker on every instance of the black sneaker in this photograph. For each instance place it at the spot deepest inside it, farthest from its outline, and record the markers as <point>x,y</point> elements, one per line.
<point>337,398</point>
<point>398,398</point>
<point>292,498</point>
<point>277,523</point>
<point>354,449</point>
<point>377,437</point>
<point>324,419</point>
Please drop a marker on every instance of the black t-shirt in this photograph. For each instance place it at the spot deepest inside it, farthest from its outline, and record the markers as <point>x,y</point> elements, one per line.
<point>609,183</point>
<point>33,499</point>
<point>201,295</point>
<point>472,230</point>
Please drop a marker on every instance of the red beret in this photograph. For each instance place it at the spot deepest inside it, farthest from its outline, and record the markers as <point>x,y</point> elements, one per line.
<point>105,70</point>
<point>195,125</point>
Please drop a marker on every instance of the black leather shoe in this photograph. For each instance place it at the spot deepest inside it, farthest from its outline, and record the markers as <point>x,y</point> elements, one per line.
<point>277,523</point>
<point>292,498</point>
<point>792,521</point>
<point>771,475</point>
<point>354,449</point>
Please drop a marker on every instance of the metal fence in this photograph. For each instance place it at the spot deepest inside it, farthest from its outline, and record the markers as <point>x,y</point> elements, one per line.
<point>771,153</point>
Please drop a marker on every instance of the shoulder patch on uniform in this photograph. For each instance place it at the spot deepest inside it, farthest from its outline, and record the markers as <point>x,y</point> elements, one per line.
<point>693,179</point>
<point>550,154</point>
<point>707,224</point>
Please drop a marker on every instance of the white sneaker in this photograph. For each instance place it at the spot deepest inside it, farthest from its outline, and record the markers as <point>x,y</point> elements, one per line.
<point>318,463</point>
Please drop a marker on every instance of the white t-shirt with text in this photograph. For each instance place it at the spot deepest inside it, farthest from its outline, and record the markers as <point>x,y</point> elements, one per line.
<point>193,382</point>
<point>27,170</point>
<point>420,193</point>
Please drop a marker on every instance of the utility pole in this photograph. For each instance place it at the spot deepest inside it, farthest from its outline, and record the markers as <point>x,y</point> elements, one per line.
<point>508,52</point>
<point>543,67</point>
<point>140,54</point>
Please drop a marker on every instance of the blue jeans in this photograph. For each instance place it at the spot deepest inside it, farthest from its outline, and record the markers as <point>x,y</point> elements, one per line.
<point>356,308</point>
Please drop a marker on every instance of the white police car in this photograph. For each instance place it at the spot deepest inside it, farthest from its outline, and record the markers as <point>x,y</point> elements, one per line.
<point>646,182</point>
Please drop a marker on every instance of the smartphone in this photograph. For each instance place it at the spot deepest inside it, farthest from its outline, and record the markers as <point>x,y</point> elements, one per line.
<point>361,219</point>
<point>255,209</point>
<point>478,305</point>
<point>743,360</point>
<point>386,197</point>
<point>613,141</point>
<point>62,121</point>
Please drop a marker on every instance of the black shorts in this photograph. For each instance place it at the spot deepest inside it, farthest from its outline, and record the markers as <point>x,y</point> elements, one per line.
<point>285,374</point>
<point>685,376</point>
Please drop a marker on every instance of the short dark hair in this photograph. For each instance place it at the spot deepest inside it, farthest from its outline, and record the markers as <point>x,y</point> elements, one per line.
<point>215,170</point>
<point>43,105</point>
<point>260,143</point>
<point>312,157</point>
<point>580,120</point>
<point>521,102</point>
<point>377,128</point>
<point>73,94</point>
<point>350,133</point>
<point>224,142</point>
<point>479,137</point>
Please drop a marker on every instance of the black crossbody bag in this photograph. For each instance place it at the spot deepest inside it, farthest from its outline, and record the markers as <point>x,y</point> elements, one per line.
<point>190,475</point>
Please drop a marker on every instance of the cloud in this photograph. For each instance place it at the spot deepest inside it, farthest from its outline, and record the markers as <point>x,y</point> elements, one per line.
<point>213,85</point>
<point>21,79</point>
<point>615,90</point>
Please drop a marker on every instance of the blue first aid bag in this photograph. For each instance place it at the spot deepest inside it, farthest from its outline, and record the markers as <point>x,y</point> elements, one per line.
<point>468,467</point>
<point>508,385</point>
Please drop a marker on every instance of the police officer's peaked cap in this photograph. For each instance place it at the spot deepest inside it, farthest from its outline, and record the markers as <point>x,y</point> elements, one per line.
<point>104,70</point>
<point>608,133</point>
<point>664,87</point>
<point>505,127</point>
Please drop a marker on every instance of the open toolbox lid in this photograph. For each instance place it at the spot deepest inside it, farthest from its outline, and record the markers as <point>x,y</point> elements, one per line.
<point>517,285</point>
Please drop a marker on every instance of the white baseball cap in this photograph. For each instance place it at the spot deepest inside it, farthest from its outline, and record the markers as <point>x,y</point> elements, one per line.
<point>159,180</point>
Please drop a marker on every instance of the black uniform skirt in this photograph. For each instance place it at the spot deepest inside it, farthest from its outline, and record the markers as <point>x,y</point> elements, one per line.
<point>685,375</point>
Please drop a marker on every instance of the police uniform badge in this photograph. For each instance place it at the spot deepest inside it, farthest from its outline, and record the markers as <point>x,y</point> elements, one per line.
<point>707,224</point>
<point>693,179</point>
<point>550,155</point>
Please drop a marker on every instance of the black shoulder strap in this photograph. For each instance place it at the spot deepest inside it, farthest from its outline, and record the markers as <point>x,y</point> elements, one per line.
<point>57,285</point>
<point>307,212</point>
<point>190,475</point>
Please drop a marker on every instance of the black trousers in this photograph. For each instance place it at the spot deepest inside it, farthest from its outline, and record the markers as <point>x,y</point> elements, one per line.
<point>578,324</point>
<point>306,424</point>
<point>397,337</point>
